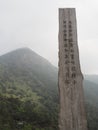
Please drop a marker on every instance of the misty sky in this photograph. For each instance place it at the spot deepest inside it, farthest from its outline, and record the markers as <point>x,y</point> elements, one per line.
<point>34,24</point>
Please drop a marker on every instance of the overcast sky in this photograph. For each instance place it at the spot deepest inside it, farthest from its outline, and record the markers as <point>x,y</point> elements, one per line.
<point>34,24</point>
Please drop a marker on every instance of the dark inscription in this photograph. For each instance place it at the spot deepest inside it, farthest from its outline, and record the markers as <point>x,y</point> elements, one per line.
<point>70,75</point>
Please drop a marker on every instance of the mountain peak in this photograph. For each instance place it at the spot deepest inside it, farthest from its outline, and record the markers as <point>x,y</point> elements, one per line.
<point>27,59</point>
<point>23,49</point>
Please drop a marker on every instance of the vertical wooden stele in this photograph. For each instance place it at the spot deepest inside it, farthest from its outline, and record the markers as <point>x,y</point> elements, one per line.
<point>72,110</point>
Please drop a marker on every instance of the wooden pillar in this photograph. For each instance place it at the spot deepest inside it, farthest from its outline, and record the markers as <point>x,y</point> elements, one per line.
<point>72,111</point>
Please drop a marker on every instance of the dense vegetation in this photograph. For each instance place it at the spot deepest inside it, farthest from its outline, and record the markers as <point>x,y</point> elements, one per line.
<point>16,114</point>
<point>91,100</point>
<point>29,93</point>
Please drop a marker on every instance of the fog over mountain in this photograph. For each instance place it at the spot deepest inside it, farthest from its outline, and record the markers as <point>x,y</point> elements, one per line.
<point>29,93</point>
<point>34,24</point>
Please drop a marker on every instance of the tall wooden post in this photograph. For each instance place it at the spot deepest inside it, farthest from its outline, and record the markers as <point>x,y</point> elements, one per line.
<point>72,110</point>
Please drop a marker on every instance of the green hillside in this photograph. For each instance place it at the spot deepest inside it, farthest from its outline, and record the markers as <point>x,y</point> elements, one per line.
<point>91,92</point>
<point>92,78</point>
<point>91,101</point>
<point>29,93</point>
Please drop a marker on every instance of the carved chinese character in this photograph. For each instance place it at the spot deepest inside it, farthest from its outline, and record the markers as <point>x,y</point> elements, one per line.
<point>64,31</point>
<point>67,81</point>
<point>65,34</point>
<point>71,44</point>
<point>72,56</point>
<point>64,21</point>
<point>70,22</point>
<point>72,62</point>
<point>72,50</point>
<point>70,40</point>
<point>64,25</point>
<point>66,50</point>
<point>74,82</point>
<point>73,68</point>
<point>65,39</point>
<point>73,75</point>
<point>65,45</point>
<point>66,56</point>
<point>67,61</point>
<point>70,30</point>
<point>70,26</point>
